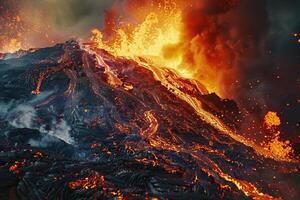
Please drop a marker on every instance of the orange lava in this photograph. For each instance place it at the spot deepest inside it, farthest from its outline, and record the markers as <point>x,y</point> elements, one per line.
<point>271,119</point>
<point>150,134</point>
<point>11,46</point>
<point>89,182</point>
<point>282,149</point>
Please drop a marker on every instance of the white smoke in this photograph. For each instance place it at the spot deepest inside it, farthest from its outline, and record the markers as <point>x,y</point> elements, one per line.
<point>22,116</point>
<point>60,130</point>
<point>4,108</point>
<point>43,142</point>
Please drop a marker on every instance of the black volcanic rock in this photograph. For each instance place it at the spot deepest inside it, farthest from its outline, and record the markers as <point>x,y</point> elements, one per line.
<point>89,133</point>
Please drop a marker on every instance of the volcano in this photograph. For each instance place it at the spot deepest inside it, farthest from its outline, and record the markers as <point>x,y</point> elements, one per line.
<point>79,123</point>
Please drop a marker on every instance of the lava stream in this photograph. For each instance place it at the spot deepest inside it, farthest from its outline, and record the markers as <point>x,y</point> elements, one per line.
<point>212,168</point>
<point>161,74</point>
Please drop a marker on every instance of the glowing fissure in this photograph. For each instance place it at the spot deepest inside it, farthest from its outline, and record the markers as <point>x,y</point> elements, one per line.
<point>159,143</point>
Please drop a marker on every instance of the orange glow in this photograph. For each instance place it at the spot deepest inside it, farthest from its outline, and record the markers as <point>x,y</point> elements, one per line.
<point>150,134</point>
<point>159,39</point>
<point>187,68</point>
<point>16,166</point>
<point>149,39</point>
<point>12,37</point>
<point>281,149</point>
<point>13,168</point>
<point>160,35</point>
<point>11,46</point>
<point>271,119</point>
<point>157,43</point>
<point>89,182</point>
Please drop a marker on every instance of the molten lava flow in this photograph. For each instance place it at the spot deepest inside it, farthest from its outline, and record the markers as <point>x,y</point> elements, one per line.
<point>154,139</point>
<point>158,41</point>
<point>163,77</point>
<point>160,143</point>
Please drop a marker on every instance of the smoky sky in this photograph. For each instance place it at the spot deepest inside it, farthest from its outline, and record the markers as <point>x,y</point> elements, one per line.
<point>69,15</point>
<point>283,75</point>
<point>43,21</point>
<point>268,67</point>
<point>270,76</point>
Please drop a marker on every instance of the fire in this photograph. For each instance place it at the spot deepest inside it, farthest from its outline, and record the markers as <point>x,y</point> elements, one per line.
<point>271,119</point>
<point>281,149</point>
<point>11,46</point>
<point>164,35</point>
<point>158,38</point>
<point>149,39</point>
<point>12,28</point>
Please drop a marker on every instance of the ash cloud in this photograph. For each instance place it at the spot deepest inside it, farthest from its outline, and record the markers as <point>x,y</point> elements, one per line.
<point>50,21</point>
